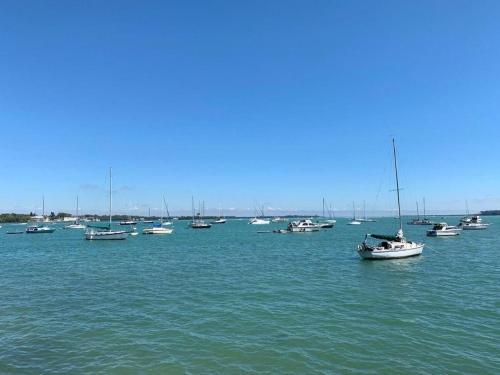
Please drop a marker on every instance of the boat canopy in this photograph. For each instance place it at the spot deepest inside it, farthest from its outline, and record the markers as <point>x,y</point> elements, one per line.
<point>385,237</point>
<point>99,226</point>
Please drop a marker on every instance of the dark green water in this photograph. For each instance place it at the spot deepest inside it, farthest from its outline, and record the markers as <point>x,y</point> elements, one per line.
<point>228,300</point>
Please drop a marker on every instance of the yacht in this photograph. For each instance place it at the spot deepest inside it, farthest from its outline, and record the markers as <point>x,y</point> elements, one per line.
<point>442,230</point>
<point>302,226</point>
<point>106,233</point>
<point>475,223</point>
<point>390,247</point>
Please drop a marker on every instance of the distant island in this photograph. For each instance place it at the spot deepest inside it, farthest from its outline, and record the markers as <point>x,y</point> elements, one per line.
<point>490,212</point>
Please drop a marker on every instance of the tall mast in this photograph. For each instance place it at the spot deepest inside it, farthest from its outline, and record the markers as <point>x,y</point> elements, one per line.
<point>397,185</point>
<point>424,206</point>
<point>77,208</point>
<point>43,206</point>
<point>418,212</point>
<point>353,211</point>
<point>110,196</point>
<point>364,209</point>
<point>161,211</point>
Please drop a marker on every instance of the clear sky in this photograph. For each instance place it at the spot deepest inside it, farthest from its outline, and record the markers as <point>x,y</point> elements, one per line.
<point>276,103</point>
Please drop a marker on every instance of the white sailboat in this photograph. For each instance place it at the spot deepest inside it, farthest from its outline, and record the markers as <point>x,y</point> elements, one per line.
<point>159,229</point>
<point>168,222</point>
<point>148,221</point>
<point>77,224</point>
<point>391,247</point>
<point>221,219</point>
<point>37,228</point>
<point>326,223</point>
<point>354,221</point>
<point>260,220</point>
<point>106,233</point>
<point>365,219</point>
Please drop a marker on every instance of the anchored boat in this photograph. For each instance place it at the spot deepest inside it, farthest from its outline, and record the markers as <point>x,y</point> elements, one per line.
<point>390,247</point>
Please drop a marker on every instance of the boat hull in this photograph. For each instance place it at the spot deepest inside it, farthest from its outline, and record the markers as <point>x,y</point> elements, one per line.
<point>475,227</point>
<point>391,253</point>
<point>157,231</point>
<point>439,233</point>
<point>109,235</point>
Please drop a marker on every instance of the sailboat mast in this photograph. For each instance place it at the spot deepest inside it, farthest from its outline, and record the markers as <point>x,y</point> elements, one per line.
<point>397,184</point>
<point>110,195</point>
<point>364,210</point>
<point>424,206</point>
<point>43,206</point>
<point>323,207</point>
<point>77,216</point>
<point>418,212</point>
<point>353,211</point>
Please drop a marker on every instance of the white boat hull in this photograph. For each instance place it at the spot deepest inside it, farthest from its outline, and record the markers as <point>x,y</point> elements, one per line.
<point>157,231</point>
<point>442,233</point>
<point>304,230</point>
<point>405,252</point>
<point>75,226</point>
<point>472,226</point>
<point>106,235</point>
<point>354,222</point>
<point>259,222</point>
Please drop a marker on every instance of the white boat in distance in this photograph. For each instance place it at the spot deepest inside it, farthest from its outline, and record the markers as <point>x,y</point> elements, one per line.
<point>443,230</point>
<point>303,226</point>
<point>157,230</point>
<point>198,222</point>
<point>38,229</point>
<point>262,220</point>
<point>365,219</point>
<point>105,233</point>
<point>354,221</point>
<point>475,223</point>
<point>77,224</point>
<point>391,247</point>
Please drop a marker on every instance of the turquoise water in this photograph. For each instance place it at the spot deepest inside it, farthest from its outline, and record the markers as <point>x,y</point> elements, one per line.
<point>229,300</point>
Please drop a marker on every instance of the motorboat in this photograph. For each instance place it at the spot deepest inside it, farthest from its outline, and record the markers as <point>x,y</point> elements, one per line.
<point>157,230</point>
<point>302,226</point>
<point>475,223</point>
<point>390,247</point>
<point>442,230</point>
<point>106,233</point>
<point>38,229</point>
<point>326,225</point>
<point>220,220</point>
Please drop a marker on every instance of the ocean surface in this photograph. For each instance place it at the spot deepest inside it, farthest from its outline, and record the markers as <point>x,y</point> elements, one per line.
<point>229,300</point>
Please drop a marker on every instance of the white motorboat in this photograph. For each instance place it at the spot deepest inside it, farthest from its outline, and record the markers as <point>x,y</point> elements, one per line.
<point>303,226</point>
<point>443,230</point>
<point>475,223</point>
<point>106,233</point>
<point>278,219</point>
<point>390,247</point>
<point>38,229</point>
<point>157,230</point>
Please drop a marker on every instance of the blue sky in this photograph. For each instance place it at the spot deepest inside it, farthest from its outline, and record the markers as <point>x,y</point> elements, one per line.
<point>276,103</point>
